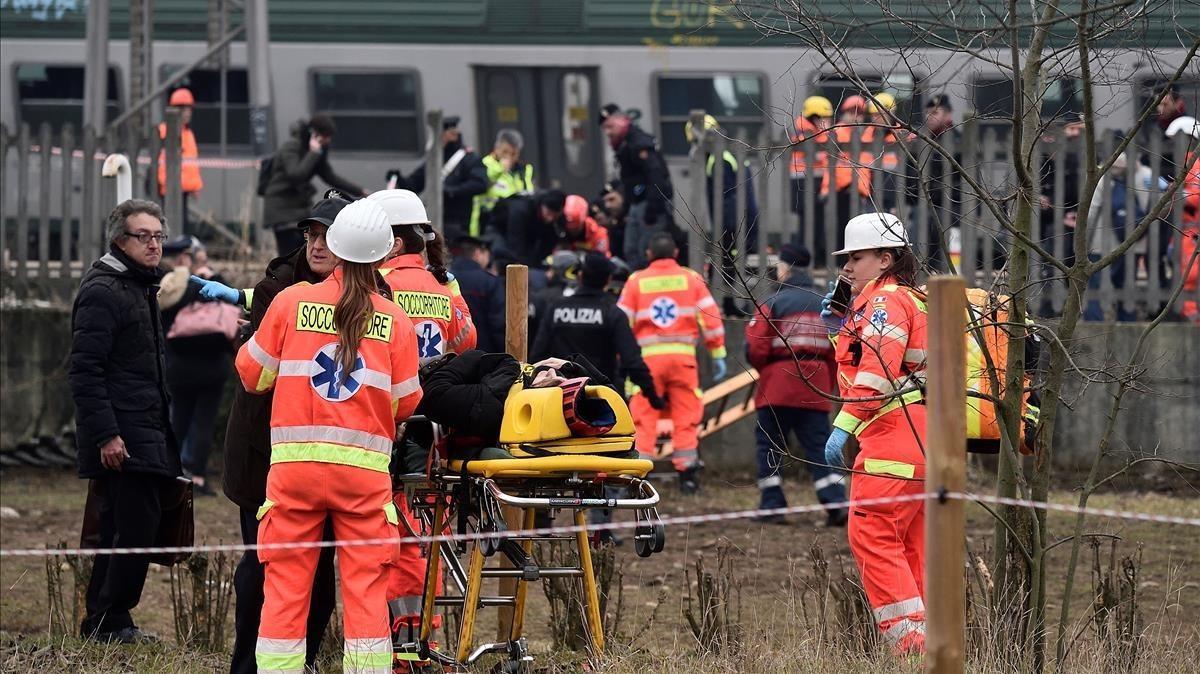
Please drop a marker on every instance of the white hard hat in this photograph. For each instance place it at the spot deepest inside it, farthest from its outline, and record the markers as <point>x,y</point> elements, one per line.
<point>403,207</point>
<point>874,230</point>
<point>360,233</point>
<point>1188,125</point>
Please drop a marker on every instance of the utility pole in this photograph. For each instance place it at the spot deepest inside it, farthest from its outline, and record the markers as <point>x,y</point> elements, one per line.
<point>946,471</point>
<point>95,83</point>
<point>173,204</point>
<point>258,44</point>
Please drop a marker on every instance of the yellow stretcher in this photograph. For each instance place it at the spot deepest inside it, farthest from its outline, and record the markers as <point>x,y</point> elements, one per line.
<point>477,497</point>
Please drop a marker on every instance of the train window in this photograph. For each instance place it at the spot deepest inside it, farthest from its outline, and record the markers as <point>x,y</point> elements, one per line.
<point>903,86</point>
<point>375,110</point>
<point>577,120</point>
<point>735,99</point>
<point>205,85</point>
<point>53,93</point>
<point>1062,100</point>
<point>1187,89</point>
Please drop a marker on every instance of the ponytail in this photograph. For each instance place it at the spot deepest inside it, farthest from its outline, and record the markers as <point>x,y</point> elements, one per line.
<point>353,312</point>
<point>905,266</point>
<point>437,257</point>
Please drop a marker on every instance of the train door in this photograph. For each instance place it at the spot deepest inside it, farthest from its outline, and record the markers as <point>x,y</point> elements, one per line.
<point>555,110</point>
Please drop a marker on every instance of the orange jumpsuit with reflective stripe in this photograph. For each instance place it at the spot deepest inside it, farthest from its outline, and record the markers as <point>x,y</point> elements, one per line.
<point>880,351</point>
<point>848,171</point>
<point>331,442</point>
<point>1190,237</point>
<point>442,323</point>
<point>806,129</point>
<point>439,313</point>
<point>670,307</point>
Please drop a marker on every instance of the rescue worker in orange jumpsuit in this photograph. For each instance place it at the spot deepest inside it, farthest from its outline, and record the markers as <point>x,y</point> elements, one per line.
<point>442,323</point>
<point>578,231</point>
<point>1190,234</point>
<point>342,360</point>
<point>670,308</point>
<point>849,179</point>
<point>190,182</point>
<point>881,373</point>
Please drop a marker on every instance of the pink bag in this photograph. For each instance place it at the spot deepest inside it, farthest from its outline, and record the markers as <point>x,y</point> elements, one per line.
<point>206,318</point>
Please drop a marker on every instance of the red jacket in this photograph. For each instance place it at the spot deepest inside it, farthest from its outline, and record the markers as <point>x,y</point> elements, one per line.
<point>790,323</point>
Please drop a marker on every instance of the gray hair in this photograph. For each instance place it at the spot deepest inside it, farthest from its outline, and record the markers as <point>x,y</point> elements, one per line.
<point>119,217</point>
<point>511,137</point>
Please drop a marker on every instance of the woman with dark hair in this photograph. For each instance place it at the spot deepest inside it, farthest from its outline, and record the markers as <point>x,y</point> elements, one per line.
<point>881,376</point>
<point>343,359</point>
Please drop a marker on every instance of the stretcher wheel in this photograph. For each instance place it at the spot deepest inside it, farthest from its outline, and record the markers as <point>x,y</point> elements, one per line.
<point>643,541</point>
<point>660,537</point>
<point>490,543</point>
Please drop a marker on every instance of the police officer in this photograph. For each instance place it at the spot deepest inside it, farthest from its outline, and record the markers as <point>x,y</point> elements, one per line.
<point>588,323</point>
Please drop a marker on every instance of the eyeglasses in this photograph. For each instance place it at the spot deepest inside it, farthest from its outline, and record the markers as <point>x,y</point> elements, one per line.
<point>310,235</point>
<point>146,237</point>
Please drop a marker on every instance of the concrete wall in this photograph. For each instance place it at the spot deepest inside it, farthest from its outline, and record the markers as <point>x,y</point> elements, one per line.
<point>1162,415</point>
<point>35,400</point>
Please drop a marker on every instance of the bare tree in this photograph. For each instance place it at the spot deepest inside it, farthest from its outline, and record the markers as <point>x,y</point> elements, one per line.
<point>1035,46</point>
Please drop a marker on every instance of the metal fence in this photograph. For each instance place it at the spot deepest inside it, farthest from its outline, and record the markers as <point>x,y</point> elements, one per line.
<point>952,216</point>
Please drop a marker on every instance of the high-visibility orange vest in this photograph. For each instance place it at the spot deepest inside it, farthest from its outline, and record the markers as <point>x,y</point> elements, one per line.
<point>806,129</point>
<point>847,172</point>
<point>189,173</point>
<point>670,307</point>
<point>440,316</point>
<point>320,413</point>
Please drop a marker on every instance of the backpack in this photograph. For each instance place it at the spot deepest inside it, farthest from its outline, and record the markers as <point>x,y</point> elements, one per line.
<point>987,317</point>
<point>264,174</point>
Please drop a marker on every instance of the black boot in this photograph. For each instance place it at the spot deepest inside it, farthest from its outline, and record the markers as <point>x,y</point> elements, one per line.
<point>689,482</point>
<point>836,517</point>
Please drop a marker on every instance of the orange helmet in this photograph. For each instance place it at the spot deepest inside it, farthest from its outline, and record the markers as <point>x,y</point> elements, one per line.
<point>182,98</point>
<point>575,210</point>
<point>854,103</point>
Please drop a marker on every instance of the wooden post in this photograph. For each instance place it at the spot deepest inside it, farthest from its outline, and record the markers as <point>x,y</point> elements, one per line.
<point>945,470</point>
<point>173,203</point>
<point>516,344</point>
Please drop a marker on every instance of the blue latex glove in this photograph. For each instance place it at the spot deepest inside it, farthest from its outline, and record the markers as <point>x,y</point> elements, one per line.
<point>833,448</point>
<point>720,369</point>
<point>215,290</point>
<point>832,323</point>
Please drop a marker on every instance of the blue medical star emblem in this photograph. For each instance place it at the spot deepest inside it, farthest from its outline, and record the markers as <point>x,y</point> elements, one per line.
<point>330,383</point>
<point>664,311</point>
<point>429,340</point>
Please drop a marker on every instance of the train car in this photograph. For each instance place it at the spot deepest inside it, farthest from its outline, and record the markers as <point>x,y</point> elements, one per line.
<point>377,67</point>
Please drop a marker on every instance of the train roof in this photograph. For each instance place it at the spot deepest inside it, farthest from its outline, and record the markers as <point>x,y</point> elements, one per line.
<point>1172,24</point>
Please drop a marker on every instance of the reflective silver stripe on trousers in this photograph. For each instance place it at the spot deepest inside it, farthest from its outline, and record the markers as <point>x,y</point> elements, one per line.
<point>260,356</point>
<point>905,627</point>
<point>407,605</point>
<point>334,434</point>
<point>898,609</point>
<point>280,646</point>
<point>309,368</point>
<point>828,480</point>
<point>770,481</point>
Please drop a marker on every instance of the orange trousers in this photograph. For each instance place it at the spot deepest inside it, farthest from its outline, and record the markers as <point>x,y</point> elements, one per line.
<point>358,502</point>
<point>406,582</point>
<point>677,379</point>
<point>888,540</point>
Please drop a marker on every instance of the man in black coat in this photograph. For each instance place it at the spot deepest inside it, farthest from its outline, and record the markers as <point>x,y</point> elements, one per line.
<point>123,428</point>
<point>463,177</point>
<point>646,182</point>
<point>527,225</point>
<point>289,192</point>
<point>483,291</point>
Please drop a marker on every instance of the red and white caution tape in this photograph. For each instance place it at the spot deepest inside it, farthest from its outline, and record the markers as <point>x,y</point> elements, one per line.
<point>668,521</point>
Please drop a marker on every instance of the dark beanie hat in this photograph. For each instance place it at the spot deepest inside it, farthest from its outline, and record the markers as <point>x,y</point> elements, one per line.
<point>595,270</point>
<point>795,254</point>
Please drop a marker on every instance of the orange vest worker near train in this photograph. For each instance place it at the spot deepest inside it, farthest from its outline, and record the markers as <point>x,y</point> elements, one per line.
<point>881,351</point>
<point>189,174</point>
<point>343,362</point>
<point>670,307</point>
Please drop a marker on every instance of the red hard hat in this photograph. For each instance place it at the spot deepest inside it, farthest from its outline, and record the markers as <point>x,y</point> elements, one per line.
<point>575,210</point>
<point>854,103</point>
<point>182,98</point>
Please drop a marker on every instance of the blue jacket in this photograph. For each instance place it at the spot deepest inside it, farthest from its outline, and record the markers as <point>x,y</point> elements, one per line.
<point>484,293</point>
